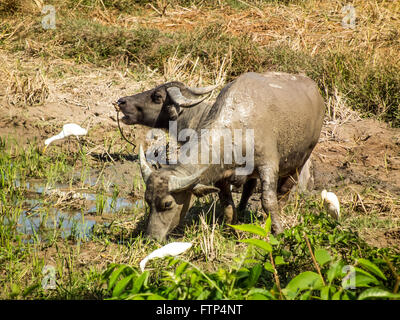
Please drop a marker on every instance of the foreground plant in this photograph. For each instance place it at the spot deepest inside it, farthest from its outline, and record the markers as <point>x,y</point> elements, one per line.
<point>264,273</point>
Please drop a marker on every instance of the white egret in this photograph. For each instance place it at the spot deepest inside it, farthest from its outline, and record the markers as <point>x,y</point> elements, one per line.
<point>69,129</point>
<point>331,203</point>
<point>171,249</point>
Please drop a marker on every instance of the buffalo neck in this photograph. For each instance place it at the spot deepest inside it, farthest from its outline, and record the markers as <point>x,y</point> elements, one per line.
<point>193,118</point>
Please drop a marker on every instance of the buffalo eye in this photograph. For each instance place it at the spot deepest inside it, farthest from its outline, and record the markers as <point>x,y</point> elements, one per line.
<point>167,204</point>
<point>157,97</point>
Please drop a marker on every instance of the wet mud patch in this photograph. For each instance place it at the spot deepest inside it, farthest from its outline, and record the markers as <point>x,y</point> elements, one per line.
<point>47,213</point>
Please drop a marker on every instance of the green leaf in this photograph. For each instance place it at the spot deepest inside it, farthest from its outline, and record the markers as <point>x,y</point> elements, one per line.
<point>306,295</point>
<point>371,267</point>
<point>143,296</point>
<point>260,294</point>
<point>114,276</point>
<point>155,297</point>
<point>121,285</point>
<point>181,268</point>
<point>269,267</point>
<point>279,260</point>
<point>377,293</point>
<point>303,281</point>
<point>255,273</point>
<point>335,271</point>
<point>139,282</point>
<point>259,243</point>
<point>325,292</point>
<point>322,256</point>
<point>272,240</point>
<point>364,279</point>
<point>267,227</point>
<point>251,228</point>
<point>337,295</point>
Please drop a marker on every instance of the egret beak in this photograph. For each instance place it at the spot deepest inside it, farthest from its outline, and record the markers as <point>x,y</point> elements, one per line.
<point>44,149</point>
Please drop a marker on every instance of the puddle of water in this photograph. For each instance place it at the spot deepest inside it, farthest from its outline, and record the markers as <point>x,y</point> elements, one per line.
<point>37,221</point>
<point>37,224</point>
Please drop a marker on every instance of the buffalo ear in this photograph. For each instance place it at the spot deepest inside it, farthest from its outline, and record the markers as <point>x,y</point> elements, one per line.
<point>201,190</point>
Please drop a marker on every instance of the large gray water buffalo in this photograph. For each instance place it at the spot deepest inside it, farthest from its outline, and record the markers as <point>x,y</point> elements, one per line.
<point>174,101</point>
<point>284,112</point>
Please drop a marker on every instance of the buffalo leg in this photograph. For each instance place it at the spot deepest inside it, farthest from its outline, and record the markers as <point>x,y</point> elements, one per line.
<point>227,203</point>
<point>248,189</point>
<point>269,183</point>
<point>302,177</point>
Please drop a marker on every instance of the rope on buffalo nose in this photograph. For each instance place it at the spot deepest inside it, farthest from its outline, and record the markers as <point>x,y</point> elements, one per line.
<point>119,127</point>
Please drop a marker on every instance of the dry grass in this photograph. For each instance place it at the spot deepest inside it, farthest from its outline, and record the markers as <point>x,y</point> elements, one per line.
<point>27,90</point>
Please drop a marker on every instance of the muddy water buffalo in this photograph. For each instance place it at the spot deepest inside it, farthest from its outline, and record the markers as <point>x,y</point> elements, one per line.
<point>284,112</point>
<point>174,101</point>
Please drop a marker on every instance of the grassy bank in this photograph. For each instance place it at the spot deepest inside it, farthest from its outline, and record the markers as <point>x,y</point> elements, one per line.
<point>364,69</point>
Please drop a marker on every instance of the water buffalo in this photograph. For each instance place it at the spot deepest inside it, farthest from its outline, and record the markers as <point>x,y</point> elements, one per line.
<point>174,101</point>
<point>285,113</point>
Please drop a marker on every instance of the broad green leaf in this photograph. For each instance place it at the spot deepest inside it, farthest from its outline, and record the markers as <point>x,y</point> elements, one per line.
<point>139,282</point>
<point>345,296</point>
<point>371,267</point>
<point>260,294</point>
<point>377,293</point>
<point>364,279</point>
<point>121,285</point>
<point>272,240</point>
<point>259,243</point>
<point>114,276</point>
<point>155,297</point>
<point>335,271</point>
<point>268,266</point>
<point>279,260</point>
<point>322,256</point>
<point>306,295</point>
<point>106,274</point>
<point>255,273</point>
<point>325,292</point>
<point>181,268</point>
<point>251,228</point>
<point>145,296</point>
<point>204,295</point>
<point>337,295</point>
<point>303,281</point>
